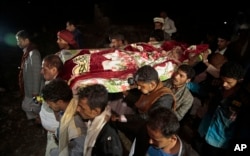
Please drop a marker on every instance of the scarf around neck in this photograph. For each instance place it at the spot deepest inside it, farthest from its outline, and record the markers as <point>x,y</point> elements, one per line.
<point>66,121</point>
<point>145,102</point>
<point>94,128</point>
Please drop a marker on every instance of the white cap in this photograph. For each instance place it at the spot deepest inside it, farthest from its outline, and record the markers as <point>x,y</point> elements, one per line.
<point>159,19</point>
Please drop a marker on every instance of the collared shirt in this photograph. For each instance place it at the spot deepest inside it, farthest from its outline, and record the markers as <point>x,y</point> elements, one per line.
<point>222,52</point>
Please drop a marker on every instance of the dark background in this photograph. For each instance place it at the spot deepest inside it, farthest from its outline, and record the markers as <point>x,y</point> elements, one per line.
<point>32,13</point>
<point>46,17</point>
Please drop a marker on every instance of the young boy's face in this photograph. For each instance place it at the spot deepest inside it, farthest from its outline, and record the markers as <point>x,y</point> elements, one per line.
<point>229,83</point>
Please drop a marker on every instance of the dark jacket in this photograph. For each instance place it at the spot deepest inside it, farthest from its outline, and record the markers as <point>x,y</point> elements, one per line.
<point>79,38</point>
<point>159,99</point>
<point>187,150</point>
<point>108,143</point>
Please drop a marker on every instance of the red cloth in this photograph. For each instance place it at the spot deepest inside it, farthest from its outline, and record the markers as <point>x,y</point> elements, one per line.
<point>90,66</point>
<point>68,37</point>
<point>113,67</point>
<point>140,47</point>
<point>169,45</point>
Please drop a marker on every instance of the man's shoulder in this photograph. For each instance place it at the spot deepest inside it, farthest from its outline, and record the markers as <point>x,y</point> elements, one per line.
<point>187,149</point>
<point>35,52</point>
<point>167,83</point>
<point>78,32</point>
<point>108,129</point>
<point>169,80</point>
<point>108,133</point>
<point>187,95</point>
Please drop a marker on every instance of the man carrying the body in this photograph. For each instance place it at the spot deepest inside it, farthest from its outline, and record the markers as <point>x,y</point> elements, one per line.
<point>72,129</point>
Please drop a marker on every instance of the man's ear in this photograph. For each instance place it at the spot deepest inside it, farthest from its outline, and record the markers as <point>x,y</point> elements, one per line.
<point>96,111</point>
<point>54,69</point>
<point>152,85</point>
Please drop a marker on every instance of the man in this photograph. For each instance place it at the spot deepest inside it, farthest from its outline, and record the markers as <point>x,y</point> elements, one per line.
<point>223,42</point>
<point>158,34</point>
<point>30,77</point>
<point>101,138</point>
<point>154,94</point>
<point>71,133</point>
<point>163,127</point>
<point>223,48</point>
<point>218,126</point>
<point>184,98</point>
<point>65,40</point>
<point>52,66</point>
<point>169,25</point>
<point>117,40</point>
<point>71,26</point>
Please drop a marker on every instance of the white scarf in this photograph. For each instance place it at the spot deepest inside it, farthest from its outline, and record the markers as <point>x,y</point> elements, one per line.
<point>94,129</point>
<point>65,123</point>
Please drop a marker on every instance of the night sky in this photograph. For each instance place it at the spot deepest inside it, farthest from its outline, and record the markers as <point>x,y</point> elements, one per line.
<point>35,14</point>
<point>127,11</point>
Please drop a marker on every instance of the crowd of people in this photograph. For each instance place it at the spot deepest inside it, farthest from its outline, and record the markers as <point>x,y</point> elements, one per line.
<point>209,94</point>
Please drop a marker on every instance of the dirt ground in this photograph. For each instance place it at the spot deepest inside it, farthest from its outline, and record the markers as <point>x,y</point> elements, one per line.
<point>18,138</point>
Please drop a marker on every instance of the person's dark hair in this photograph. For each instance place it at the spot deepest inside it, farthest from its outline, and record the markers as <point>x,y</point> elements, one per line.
<point>54,61</point>
<point>72,22</point>
<point>24,34</point>
<point>163,119</point>
<point>57,89</point>
<point>96,95</point>
<point>117,36</point>
<point>146,74</point>
<point>188,70</point>
<point>233,70</point>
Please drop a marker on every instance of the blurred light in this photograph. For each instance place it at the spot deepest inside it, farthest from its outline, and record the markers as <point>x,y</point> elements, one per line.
<point>10,39</point>
<point>225,22</point>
